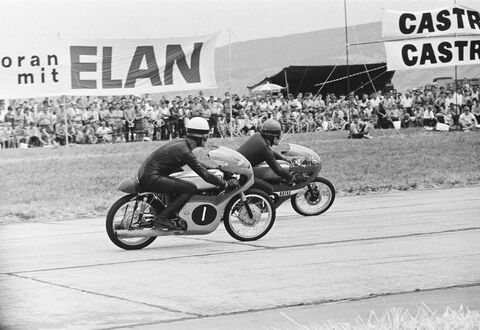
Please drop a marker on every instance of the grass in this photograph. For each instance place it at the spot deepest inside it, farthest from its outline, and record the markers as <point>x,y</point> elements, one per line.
<point>402,319</point>
<point>81,180</point>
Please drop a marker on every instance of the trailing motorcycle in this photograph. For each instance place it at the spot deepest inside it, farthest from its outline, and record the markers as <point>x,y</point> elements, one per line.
<point>312,194</point>
<point>248,214</point>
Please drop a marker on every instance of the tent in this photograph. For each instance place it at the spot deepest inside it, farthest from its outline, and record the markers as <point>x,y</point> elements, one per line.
<point>331,79</point>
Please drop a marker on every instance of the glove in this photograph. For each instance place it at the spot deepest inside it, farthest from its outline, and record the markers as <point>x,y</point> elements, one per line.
<point>295,179</point>
<point>232,183</point>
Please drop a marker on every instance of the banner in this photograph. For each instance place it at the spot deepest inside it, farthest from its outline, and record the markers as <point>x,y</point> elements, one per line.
<point>38,68</point>
<point>436,22</point>
<point>432,52</point>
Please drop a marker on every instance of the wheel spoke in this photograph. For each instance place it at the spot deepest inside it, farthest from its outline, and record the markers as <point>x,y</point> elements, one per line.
<point>247,227</point>
<point>130,215</point>
<point>316,203</point>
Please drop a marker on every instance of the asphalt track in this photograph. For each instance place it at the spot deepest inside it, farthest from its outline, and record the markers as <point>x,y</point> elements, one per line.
<point>368,253</point>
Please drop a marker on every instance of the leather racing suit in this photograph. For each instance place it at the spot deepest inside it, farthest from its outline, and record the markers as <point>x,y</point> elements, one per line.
<point>154,171</point>
<point>257,150</point>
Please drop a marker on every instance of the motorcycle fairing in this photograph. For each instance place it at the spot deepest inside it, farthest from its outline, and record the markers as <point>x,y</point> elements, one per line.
<point>303,160</point>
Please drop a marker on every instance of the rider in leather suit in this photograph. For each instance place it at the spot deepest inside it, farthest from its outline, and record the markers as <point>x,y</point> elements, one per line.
<point>153,174</point>
<point>257,149</point>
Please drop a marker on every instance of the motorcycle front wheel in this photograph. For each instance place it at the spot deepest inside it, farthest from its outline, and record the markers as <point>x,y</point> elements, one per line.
<point>315,198</point>
<point>130,213</point>
<point>238,222</point>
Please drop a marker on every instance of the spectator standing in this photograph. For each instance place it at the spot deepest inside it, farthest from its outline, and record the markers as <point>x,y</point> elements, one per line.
<point>407,103</point>
<point>129,116</point>
<point>458,97</point>
<point>475,96</point>
<point>138,125</point>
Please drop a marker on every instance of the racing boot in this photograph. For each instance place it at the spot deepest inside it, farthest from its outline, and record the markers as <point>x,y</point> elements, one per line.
<point>166,223</point>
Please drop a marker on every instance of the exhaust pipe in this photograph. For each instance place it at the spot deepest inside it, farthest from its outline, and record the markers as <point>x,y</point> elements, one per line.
<point>147,233</point>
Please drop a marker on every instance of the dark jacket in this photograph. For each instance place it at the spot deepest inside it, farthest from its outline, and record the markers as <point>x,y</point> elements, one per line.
<point>256,150</point>
<point>170,157</point>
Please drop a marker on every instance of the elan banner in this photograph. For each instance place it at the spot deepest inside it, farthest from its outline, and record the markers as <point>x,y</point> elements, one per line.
<point>436,22</point>
<point>432,52</point>
<point>37,68</point>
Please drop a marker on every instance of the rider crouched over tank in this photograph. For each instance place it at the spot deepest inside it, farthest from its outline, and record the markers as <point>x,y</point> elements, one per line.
<point>154,172</point>
<point>257,149</point>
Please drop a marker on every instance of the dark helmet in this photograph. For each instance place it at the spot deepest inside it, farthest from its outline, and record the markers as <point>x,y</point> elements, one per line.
<point>198,128</point>
<point>271,128</point>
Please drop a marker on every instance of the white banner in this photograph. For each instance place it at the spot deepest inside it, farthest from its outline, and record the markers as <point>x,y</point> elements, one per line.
<point>37,68</point>
<point>435,22</point>
<point>432,52</point>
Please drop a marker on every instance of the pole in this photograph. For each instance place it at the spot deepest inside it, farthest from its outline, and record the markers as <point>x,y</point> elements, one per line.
<point>230,80</point>
<point>66,120</point>
<point>286,82</point>
<point>346,54</point>
<point>456,83</point>
<point>346,47</point>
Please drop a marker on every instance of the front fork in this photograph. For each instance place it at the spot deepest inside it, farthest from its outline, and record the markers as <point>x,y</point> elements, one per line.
<point>247,206</point>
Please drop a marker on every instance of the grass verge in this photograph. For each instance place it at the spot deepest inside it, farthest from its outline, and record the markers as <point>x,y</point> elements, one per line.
<point>402,319</point>
<point>80,181</point>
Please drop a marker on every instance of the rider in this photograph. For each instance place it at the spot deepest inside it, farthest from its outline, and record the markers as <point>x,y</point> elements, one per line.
<point>153,174</point>
<point>257,149</point>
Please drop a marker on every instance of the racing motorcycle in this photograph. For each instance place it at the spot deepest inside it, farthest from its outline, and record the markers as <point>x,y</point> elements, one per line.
<point>248,214</point>
<point>312,194</point>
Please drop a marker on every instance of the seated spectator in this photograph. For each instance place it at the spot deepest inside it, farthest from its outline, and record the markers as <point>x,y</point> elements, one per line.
<point>429,117</point>
<point>3,135</point>
<point>45,138</point>
<point>79,136</point>
<point>310,121</point>
<point>61,133</point>
<point>222,125</point>
<point>338,123</point>
<point>443,117</point>
<point>33,135</point>
<point>476,109</point>
<point>406,120</point>
<point>104,133</point>
<point>467,120</point>
<point>90,136</point>
<point>417,118</point>
<point>359,129</point>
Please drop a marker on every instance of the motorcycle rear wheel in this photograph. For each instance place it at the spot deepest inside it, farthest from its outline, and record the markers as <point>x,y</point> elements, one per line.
<point>127,212</point>
<point>306,204</point>
<point>240,225</point>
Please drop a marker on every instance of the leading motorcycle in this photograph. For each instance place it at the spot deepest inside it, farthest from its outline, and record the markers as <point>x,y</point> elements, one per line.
<point>248,214</point>
<point>312,194</point>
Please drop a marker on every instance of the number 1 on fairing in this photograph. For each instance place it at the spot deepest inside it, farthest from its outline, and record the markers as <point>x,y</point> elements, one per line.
<point>203,214</point>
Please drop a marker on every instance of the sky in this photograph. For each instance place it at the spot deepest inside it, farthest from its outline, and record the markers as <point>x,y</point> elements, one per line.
<point>234,20</point>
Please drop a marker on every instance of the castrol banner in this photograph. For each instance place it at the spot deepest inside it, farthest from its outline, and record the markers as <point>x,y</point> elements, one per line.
<point>432,52</point>
<point>436,22</point>
<point>38,68</point>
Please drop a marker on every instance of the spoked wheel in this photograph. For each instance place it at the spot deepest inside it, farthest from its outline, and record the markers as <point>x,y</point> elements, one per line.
<point>130,213</point>
<point>315,198</point>
<point>245,225</point>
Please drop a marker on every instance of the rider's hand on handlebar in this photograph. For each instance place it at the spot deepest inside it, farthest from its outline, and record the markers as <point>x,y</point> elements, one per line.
<point>296,178</point>
<point>232,183</point>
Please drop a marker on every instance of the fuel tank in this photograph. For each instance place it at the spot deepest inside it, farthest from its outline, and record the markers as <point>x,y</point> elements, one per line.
<point>194,178</point>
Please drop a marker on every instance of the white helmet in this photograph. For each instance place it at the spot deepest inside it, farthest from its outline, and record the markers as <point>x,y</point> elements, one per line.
<point>198,127</point>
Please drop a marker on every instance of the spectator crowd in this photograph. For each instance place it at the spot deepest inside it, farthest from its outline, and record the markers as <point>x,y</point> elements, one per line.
<point>32,123</point>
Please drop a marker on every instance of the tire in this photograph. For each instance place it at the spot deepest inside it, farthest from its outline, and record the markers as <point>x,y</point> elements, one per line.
<point>113,214</point>
<point>236,218</point>
<point>303,205</point>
